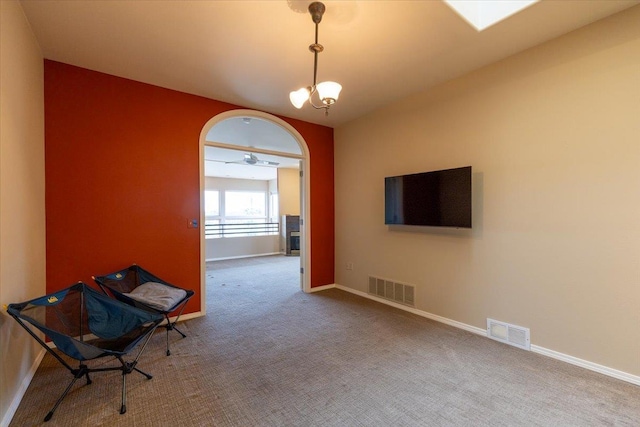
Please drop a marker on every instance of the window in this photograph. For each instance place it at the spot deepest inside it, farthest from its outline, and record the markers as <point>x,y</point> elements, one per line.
<point>245,204</point>
<point>237,213</point>
<point>211,203</point>
<point>274,215</point>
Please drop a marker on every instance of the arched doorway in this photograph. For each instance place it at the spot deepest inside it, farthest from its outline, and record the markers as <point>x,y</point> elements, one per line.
<point>224,126</point>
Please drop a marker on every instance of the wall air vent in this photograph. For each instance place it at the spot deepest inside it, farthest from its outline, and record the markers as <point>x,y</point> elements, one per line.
<point>509,334</point>
<point>392,290</point>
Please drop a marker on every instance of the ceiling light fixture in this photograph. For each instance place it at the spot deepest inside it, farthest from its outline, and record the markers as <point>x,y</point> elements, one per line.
<point>328,92</point>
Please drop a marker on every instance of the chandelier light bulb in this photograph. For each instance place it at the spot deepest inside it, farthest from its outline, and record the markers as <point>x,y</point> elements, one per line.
<point>299,97</point>
<point>329,92</point>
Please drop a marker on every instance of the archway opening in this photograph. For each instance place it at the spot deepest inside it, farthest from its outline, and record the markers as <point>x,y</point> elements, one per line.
<point>238,138</point>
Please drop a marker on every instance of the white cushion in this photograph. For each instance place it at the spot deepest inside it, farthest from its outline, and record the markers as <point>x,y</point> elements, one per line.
<point>157,295</point>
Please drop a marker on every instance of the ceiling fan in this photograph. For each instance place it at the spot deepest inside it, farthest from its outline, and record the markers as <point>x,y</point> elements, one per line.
<point>251,159</point>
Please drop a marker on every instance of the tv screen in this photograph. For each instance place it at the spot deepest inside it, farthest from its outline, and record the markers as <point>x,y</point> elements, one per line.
<point>437,199</point>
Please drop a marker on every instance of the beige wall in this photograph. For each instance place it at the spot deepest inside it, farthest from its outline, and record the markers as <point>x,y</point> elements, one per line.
<point>235,184</point>
<point>289,191</point>
<point>22,219</point>
<point>553,135</point>
<point>241,247</point>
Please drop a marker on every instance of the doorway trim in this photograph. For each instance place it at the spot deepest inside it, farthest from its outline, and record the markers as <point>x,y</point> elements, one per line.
<point>305,191</point>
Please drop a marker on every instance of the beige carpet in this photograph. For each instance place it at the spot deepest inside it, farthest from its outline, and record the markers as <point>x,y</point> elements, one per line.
<point>269,355</point>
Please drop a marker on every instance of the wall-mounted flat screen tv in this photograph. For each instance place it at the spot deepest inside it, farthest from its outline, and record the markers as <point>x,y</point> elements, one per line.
<point>437,199</point>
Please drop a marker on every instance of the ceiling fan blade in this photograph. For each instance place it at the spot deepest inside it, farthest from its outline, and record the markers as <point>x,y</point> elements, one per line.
<point>249,160</point>
<point>260,165</point>
<point>268,163</point>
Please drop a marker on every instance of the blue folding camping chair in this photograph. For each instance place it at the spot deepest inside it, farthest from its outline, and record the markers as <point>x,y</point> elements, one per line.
<point>140,288</point>
<point>84,324</point>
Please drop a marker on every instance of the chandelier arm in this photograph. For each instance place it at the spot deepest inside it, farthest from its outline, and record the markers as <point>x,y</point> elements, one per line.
<point>321,107</point>
<point>317,107</point>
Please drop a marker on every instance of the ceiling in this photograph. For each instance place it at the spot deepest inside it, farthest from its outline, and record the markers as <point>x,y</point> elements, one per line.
<point>253,53</point>
<point>268,141</point>
<point>224,163</point>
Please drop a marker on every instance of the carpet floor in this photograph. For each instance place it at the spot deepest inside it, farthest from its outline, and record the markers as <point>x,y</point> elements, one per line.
<point>268,354</point>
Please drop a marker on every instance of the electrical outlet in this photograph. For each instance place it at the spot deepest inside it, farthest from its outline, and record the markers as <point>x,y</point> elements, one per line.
<point>349,265</point>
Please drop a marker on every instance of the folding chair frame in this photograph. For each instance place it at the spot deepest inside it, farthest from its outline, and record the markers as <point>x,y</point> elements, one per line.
<point>103,283</point>
<point>83,370</point>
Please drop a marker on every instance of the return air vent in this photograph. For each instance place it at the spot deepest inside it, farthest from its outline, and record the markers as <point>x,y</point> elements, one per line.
<point>509,334</point>
<point>391,290</point>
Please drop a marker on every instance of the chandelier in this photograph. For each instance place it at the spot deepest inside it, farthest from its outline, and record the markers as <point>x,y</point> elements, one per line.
<point>328,92</point>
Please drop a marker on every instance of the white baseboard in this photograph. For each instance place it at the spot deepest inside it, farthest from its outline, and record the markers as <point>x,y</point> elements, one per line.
<point>188,316</point>
<point>243,256</point>
<point>322,288</point>
<point>620,375</point>
<point>22,390</point>
<point>459,325</point>
<point>624,376</point>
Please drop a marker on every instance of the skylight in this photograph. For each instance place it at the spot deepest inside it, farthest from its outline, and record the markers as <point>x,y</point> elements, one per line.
<point>482,14</point>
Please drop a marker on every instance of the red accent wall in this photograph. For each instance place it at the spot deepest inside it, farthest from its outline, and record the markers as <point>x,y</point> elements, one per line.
<point>122,179</point>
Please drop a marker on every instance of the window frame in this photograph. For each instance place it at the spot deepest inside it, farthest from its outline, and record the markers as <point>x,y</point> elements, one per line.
<point>215,224</point>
